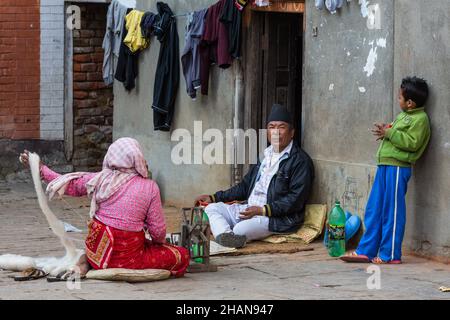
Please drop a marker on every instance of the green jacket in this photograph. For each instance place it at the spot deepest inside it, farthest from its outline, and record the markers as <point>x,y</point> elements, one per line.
<point>406,140</point>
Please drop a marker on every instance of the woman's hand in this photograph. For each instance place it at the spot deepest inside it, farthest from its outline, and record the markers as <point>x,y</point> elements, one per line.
<point>25,159</point>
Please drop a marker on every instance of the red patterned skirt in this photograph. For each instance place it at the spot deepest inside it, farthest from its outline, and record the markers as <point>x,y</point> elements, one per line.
<point>108,247</point>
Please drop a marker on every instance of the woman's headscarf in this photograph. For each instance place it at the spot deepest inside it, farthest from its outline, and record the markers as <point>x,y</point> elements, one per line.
<point>123,161</point>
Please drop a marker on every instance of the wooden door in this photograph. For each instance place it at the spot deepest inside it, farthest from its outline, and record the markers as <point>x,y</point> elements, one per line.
<point>282,65</point>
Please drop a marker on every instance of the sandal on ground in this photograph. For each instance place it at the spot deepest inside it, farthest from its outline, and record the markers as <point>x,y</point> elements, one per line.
<point>65,276</point>
<point>355,258</point>
<point>378,260</point>
<point>31,274</point>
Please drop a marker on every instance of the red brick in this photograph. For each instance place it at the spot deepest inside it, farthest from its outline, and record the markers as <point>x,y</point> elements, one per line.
<point>87,67</point>
<point>7,96</point>
<point>79,76</point>
<point>8,56</point>
<point>80,94</point>
<point>85,86</point>
<point>27,111</point>
<point>7,80</point>
<point>27,33</point>
<point>87,33</point>
<point>28,97</point>
<point>27,126</point>
<point>82,104</point>
<point>95,76</point>
<point>76,67</point>
<point>7,88</point>
<point>6,119</point>
<point>26,134</point>
<point>82,57</point>
<point>7,17</point>
<point>6,48</point>
<point>27,119</point>
<point>97,57</point>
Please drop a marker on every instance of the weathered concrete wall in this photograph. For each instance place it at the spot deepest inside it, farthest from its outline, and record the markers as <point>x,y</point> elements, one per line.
<point>341,100</point>
<point>422,48</point>
<point>133,117</point>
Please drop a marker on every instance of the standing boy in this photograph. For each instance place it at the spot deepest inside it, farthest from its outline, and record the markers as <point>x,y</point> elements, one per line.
<point>403,143</point>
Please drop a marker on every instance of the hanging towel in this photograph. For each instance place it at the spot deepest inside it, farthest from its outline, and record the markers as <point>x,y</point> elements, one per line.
<point>134,39</point>
<point>190,58</point>
<point>115,19</point>
<point>167,75</point>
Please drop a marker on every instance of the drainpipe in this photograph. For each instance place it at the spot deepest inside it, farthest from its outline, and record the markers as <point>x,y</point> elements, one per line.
<point>236,169</point>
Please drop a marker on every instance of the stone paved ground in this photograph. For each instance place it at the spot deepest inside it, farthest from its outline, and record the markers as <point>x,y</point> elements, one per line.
<point>304,275</point>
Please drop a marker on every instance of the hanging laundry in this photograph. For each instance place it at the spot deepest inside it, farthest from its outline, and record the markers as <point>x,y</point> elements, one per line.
<point>214,46</point>
<point>134,39</point>
<point>262,3</point>
<point>167,75</point>
<point>331,5</point>
<point>232,17</point>
<point>127,66</point>
<point>190,58</point>
<point>320,4</point>
<point>240,4</point>
<point>115,20</point>
<point>148,22</point>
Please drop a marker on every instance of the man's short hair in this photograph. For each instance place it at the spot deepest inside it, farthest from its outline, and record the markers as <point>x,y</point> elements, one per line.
<point>415,89</point>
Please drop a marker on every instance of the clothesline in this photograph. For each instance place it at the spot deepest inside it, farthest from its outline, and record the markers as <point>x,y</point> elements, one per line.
<point>180,15</point>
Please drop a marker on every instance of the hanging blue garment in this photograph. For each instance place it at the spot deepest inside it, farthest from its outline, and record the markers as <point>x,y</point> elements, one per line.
<point>331,5</point>
<point>320,4</point>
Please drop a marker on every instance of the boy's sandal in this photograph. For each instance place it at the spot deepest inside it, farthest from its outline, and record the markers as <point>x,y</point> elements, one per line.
<point>65,276</point>
<point>31,274</point>
<point>355,258</point>
<point>378,260</point>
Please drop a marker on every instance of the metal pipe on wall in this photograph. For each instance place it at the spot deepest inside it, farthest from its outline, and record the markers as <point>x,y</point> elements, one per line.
<point>238,119</point>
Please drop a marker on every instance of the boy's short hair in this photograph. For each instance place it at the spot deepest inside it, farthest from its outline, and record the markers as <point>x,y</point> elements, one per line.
<point>415,89</point>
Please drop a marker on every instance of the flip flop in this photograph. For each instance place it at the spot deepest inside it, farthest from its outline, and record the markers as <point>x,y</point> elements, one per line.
<point>64,276</point>
<point>378,260</point>
<point>31,274</point>
<point>355,258</point>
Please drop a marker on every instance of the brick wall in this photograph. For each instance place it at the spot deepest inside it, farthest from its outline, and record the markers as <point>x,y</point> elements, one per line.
<point>19,69</point>
<point>52,70</point>
<point>93,102</point>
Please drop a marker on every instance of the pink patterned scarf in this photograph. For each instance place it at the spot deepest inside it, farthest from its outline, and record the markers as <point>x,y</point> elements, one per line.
<point>123,161</point>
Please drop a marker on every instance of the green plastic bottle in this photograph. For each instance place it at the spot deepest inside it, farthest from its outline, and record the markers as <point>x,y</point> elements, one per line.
<point>336,231</point>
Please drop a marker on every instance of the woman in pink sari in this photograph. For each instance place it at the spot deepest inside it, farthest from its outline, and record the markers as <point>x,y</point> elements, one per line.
<point>124,204</point>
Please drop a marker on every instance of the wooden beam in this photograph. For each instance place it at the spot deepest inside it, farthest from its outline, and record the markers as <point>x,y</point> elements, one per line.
<point>282,6</point>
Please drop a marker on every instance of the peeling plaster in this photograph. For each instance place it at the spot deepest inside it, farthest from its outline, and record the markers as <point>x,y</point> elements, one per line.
<point>369,68</point>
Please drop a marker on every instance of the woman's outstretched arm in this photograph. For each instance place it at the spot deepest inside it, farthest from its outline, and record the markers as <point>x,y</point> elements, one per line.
<point>75,188</point>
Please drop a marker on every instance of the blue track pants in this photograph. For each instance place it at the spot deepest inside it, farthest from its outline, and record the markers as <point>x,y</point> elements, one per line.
<point>385,215</point>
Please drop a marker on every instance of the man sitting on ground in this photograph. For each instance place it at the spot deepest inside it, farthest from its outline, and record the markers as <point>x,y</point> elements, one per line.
<point>275,190</point>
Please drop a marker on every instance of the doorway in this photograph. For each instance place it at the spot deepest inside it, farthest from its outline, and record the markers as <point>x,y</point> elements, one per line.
<point>274,63</point>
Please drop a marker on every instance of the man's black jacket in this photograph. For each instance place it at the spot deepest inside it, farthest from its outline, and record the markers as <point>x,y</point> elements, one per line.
<point>288,191</point>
